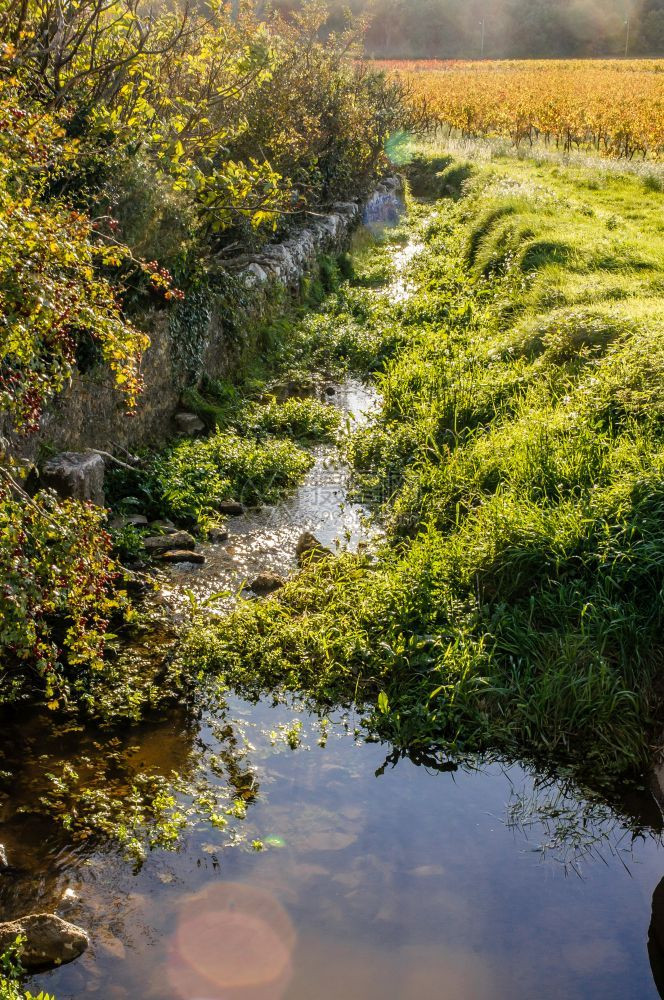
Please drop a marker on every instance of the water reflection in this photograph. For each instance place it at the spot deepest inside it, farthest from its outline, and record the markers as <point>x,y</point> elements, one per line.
<point>407,886</point>
<point>656,938</point>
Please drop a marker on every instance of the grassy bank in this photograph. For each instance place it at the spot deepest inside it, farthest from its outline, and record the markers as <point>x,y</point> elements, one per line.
<point>518,463</point>
<point>135,161</point>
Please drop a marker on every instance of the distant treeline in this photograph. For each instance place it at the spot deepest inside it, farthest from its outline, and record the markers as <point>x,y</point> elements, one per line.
<point>452,29</point>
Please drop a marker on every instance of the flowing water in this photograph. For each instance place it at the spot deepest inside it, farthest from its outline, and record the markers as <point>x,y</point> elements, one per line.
<point>354,873</point>
<point>265,538</point>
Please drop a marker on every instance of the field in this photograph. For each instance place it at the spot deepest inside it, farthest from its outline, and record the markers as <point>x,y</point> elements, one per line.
<point>613,107</point>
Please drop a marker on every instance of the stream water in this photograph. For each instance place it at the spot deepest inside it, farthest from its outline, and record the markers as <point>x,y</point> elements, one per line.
<point>266,538</point>
<point>378,878</point>
<point>408,884</point>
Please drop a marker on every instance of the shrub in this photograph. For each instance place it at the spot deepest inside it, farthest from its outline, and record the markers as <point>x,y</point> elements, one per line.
<point>51,293</point>
<point>56,596</point>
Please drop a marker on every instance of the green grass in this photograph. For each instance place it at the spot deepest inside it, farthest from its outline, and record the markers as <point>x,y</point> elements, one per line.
<point>261,425</point>
<point>518,461</point>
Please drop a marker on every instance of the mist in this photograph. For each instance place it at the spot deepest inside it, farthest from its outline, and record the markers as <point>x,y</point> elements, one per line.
<point>470,29</point>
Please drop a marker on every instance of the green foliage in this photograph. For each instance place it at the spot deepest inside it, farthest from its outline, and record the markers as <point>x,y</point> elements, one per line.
<point>189,90</point>
<point>127,543</point>
<point>56,597</point>
<point>188,481</point>
<point>302,419</point>
<point>437,177</point>
<point>11,973</point>
<point>350,333</point>
<point>189,323</point>
<point>518,461</point>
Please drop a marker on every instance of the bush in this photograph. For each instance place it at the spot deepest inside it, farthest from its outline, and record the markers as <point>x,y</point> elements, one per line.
<point>56,596</point>
<point>52,295</point>
<point>157,132</point>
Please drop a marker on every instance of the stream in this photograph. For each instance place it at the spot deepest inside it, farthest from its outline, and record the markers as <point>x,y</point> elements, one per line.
<point>265,538</point>
<point>354,872</point>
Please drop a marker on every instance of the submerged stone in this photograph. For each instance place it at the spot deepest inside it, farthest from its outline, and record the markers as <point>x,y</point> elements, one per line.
<point>182,556</point>
<point>217,534</point>
<point>267,583</point>
<point>309,549</point>
<point>232,508</point>
<point>48,940</point>
<point>68,900</point>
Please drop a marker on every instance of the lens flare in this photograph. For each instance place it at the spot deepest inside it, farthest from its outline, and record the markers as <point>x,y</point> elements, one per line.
<point>233,942</point>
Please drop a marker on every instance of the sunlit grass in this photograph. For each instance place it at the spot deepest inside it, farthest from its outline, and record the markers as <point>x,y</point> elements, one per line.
<point>518,461</point>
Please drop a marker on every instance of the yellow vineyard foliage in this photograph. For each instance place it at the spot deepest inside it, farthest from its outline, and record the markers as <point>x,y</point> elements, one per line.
<point>615,107</point>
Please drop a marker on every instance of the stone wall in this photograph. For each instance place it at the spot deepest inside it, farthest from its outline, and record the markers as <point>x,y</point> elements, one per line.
<point>89,413</point>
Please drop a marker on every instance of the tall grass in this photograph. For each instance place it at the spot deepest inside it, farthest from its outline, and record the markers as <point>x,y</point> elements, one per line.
<point>518,462</point>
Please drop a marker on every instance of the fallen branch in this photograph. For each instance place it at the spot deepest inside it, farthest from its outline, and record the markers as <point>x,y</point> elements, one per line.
<point>112,458</point>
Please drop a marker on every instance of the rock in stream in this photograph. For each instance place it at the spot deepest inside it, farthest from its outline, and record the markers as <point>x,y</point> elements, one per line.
<point>75,475</point>
<point>267,583</point>
<point>231,508</point>
<point>309,549</point>
<point>181,556</point>
<point>48,940</point>
<point>174,540</point>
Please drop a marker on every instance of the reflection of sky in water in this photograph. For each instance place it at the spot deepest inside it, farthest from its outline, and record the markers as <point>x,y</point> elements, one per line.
<point>407,886</point>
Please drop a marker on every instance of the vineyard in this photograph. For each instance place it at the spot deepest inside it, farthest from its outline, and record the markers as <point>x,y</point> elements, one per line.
<point>614,107</point>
